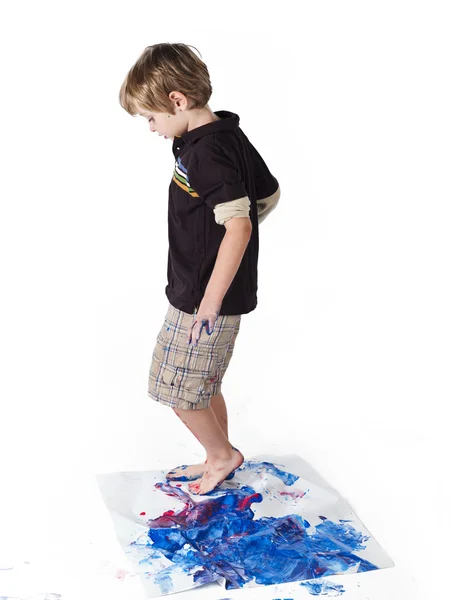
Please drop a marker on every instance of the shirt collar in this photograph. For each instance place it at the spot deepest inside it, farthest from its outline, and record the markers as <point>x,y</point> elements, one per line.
<point>228,120</point>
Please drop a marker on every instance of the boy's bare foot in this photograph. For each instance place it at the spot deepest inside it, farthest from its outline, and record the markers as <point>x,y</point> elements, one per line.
<point>186,472</point>
<point>216,472</point>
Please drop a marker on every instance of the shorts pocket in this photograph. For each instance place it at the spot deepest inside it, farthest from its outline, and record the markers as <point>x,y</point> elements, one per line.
<point>190,386</point>
<point>184,384</point>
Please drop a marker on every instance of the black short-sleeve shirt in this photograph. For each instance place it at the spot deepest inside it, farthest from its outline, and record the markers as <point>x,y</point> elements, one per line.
<point>214,163</point>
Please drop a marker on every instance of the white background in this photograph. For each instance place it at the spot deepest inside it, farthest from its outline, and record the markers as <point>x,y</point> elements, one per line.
<point>345,361</point>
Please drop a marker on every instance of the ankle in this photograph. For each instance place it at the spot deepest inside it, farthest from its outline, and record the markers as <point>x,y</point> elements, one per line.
<point>220,455</point>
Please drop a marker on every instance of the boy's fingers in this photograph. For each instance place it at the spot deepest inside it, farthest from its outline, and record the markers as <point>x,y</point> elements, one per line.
<point>197,332</point>
<point>210,327</point>
<point>190,332</point>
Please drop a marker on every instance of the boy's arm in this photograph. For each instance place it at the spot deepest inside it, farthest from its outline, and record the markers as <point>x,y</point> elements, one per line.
<point>229,257</point>
<point>216,180</point>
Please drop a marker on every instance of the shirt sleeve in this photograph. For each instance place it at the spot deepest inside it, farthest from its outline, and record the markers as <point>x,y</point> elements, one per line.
<point>233,208</point>
<point>267,205</point>
<point>216,179</point>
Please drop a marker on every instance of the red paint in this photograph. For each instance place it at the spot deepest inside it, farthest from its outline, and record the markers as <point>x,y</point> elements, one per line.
<point>121,574</point>
<point>246,501</point>
<point>293,495</point>
<point>142,514</point>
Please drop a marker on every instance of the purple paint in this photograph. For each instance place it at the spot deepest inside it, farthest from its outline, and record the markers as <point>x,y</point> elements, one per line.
<point>323,588</point>
<point>219,538</point>
<point>296,495</point>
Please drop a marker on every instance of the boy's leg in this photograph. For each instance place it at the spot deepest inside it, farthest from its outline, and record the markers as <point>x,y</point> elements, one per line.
<point>195,471</point>
<point>220,410</point>
<point>222,457</point>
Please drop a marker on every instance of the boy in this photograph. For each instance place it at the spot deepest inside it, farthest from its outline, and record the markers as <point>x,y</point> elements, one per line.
<point>221,190</point>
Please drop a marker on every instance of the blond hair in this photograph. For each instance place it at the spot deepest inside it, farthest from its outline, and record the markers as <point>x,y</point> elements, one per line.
<point>161,69</point>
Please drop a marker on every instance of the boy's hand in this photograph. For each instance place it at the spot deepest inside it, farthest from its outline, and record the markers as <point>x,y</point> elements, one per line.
<point>206,316</point>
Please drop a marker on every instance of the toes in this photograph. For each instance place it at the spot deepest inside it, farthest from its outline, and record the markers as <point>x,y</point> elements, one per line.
<point>192,486</point>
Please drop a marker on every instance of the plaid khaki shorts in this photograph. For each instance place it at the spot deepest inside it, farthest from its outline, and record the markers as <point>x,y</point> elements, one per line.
<point>182,376</point>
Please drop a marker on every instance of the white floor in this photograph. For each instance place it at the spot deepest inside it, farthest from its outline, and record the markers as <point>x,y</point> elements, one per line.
<point>57,536</point>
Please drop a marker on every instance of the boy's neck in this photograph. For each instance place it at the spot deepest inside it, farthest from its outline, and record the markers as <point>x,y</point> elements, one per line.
<point>200,117</point>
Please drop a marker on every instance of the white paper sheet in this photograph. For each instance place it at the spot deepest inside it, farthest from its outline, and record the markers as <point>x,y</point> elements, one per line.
<point>276,521</point>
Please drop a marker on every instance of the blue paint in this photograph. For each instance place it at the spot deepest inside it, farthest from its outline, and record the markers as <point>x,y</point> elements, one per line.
<point>286,477</point>
<point>219,537</point>
<point>164,581</point>
<point>323,588</point>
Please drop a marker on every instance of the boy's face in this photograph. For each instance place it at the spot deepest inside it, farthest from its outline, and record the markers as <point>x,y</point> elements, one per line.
<point>164,125</point>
